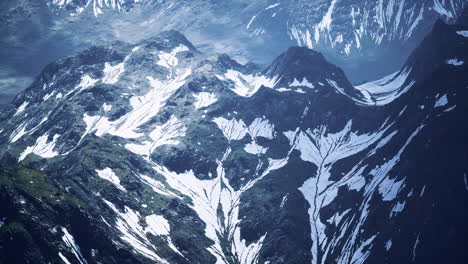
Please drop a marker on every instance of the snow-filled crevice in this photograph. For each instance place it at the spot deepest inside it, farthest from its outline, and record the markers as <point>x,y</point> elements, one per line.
<point>215,195</point>
<point>324,149</point>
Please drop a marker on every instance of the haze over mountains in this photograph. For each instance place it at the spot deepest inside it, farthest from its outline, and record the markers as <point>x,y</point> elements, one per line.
<point>368,39</point>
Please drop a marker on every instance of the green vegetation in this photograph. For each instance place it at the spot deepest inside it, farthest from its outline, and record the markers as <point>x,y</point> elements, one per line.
<point>34,184</point>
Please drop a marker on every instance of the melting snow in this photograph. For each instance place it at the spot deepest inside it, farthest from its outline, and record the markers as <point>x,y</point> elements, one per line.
<point>463,33</point>
<point>112,73</point>
<point>165,134</point>
<point>133,233</point>
<point>389,189</point>
<point>64,259</point>
<point>441,101</point>
<point>247,85</point>
<point>388,245</point>
<point>304,83</point>
<point>70,241</point>
<point>454,62</point>
<point>21,108</point>
<point>157,225</point>
<point>232,129</point>
<point>387,89</point>
<point>169,60</point>
<point>108,175</point>
<point>204,99</point>
<point>42,148</point>
<point>86,82</point>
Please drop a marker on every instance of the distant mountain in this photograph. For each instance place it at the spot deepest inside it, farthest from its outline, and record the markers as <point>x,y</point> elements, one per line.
<point>154,152</point>
<point>368,38</point>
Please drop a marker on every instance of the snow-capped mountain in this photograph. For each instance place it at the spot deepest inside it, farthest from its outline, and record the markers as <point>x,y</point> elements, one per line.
<point>368,39</point>
<point>154,152</point>
<point>370,36</point>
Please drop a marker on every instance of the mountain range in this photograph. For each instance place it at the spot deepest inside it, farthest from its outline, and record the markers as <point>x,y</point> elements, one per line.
<point>158,152</point>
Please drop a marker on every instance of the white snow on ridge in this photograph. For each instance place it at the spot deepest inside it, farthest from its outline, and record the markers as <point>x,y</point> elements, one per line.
<point>209,196</point>
<point>21,108</point>
<point>304,83</point>
<point>169,60</point>
<point>144,107</point>
<point>232,129</point>
<point>63,258</point>
<point>71,243</point>
<point>112,73</point>
<point>389,189</point>
<point>108,175</point>
<point>247,85</point>
<point>42,148</point>
<point>134,234</point>
<point>387,89</point>
<point>455,62</point>
<point>323,149</point>
<point>165,134</point>
<point>86,82</point>
<point>441,101</point>
<point>157,225</point>
<point>204,99</point>
<point>463,33</point>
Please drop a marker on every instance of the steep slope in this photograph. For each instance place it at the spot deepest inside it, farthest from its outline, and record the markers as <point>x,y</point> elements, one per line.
<point>174,156</point>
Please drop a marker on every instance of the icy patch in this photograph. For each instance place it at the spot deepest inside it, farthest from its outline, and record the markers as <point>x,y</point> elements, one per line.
<point>106,107</point>
<point>157,225</point>
<point>210,196</point>
<point>255,149</point>
<point>47,96</point>
<point>247,85</point>
<point>303,83</point>
<point>454,62</point>
<point>63,258</point>
<point>398,208</point>
<point>441,101</point>
<point>18,133</point>
<point>144,107</point>
<point>463,33</point>
<point>112,73</point>
<point>283,201</point>
<point>204,99</point>
<point>86,82</point>
<point>388,245</point>
<point>21,108</point>
<point>389,189</point>
<point>169,60</point>
<point>70,242</point>
<point>128,223</point>
<point>157,186</point>
<point>108,175</point>
<point>165,134</point>
<point>232,129</point>
<point>42,148</point>
<point>323,149</point>
<point>387,89</point>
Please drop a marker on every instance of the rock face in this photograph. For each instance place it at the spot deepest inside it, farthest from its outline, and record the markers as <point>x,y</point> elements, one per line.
<point>157,153</point>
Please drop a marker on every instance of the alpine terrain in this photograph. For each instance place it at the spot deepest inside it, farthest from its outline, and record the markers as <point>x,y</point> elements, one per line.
<point>157,152</point>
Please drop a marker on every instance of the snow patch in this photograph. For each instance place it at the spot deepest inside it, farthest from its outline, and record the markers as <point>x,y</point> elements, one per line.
<point>42,148</point>
<point>108,175</point>
<point>454,62</point>
<point>204,99</point>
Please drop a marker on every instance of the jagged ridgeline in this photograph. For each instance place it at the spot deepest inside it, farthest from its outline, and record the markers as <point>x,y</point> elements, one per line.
<point>157,153</point>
